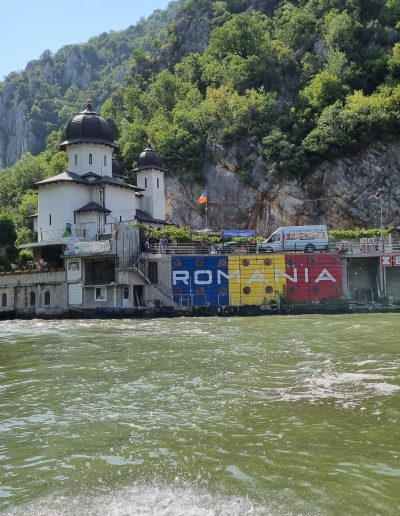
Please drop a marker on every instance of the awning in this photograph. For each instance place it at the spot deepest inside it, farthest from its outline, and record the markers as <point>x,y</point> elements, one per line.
<point>42,244</point>
<point>238,233</point>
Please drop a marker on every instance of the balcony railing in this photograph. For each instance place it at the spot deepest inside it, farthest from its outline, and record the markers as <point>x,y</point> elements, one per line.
<point>344,247</point>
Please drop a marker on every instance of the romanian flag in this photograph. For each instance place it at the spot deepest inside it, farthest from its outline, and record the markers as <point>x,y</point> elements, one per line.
<point>203,197</point>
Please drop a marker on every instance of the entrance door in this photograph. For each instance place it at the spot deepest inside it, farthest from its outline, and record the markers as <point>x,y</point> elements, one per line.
<point>138,295</point>
<point>152,272</point>
<point>125,298</point>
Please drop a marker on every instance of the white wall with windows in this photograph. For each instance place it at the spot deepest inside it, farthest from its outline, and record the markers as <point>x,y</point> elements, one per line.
<point>89,157</point>
<point>153,200</point>
<point>56,206</point>
<point>122,202</point>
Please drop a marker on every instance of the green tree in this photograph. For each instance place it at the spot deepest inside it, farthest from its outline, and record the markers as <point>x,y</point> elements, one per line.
<point>7,230</point>
<point>324,89</point>
<point>240,52</point>
<point>296,26</point>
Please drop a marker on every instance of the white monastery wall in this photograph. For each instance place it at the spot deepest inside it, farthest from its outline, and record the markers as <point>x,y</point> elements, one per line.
<point>122,202</point>
<point>57,202</point>
<point>80,162</point>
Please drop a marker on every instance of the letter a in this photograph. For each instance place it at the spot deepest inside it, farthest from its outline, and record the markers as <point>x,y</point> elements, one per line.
<point>325,276</point>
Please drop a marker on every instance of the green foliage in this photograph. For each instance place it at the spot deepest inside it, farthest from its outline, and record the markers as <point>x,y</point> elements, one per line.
<point>25,236</point>
<point>285,156</point>
<point>15,181</point>
<point>7,230</point>
<point>25,260</point>
<point>295,25</point>
<point>339,30</point>
<point>355,234</point>
<point>323,90</point>
<point>173,233</point>
<point>313,80</point>
<point>394,63</point>
<point>240,53</point>
<point>8,236</point>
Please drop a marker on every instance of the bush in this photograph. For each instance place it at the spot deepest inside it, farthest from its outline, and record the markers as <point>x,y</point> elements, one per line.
<point>355,234</point>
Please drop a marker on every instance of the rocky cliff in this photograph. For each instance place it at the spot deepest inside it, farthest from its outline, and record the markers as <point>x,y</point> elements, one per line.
<point>336,193</point>
<point>23,95</point>
<point>16,132</point>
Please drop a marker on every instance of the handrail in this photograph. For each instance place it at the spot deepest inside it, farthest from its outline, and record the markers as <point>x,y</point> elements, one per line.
<point>163,288</point>
<point>197,248</point>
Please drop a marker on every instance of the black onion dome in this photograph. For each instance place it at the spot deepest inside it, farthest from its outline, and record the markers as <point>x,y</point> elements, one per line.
<point>149,158</point>
<point>117,168</point>
<point>89,127</point>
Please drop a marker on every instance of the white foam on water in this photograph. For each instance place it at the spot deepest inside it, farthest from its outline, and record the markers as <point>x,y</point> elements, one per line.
<point>144,500</point>
<point>365,362</point>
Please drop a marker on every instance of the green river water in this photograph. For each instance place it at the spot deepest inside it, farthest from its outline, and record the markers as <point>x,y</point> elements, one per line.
<point>210,416</point>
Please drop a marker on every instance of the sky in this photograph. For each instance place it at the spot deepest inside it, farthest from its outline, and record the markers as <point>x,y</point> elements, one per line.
<point>31,26</point>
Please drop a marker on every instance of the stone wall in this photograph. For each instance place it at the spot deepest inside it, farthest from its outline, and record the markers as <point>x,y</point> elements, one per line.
<point>34,293</point>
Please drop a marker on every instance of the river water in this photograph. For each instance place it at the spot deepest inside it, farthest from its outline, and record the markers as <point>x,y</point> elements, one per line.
<point>211,416</point>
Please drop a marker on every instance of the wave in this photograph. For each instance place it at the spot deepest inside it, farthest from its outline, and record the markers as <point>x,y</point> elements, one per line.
<point>143,500</point>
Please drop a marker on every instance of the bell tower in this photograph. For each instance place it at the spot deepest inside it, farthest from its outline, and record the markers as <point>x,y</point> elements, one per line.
<point>150,172</point>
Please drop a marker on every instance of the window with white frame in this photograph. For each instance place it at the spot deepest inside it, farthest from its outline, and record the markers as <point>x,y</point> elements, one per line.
<point>101,294</point>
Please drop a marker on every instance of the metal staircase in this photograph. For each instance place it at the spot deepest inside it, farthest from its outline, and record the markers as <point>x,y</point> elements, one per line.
<point>138,264</point>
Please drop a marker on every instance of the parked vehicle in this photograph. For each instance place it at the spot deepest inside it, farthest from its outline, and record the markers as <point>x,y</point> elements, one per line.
<point>296,238</point>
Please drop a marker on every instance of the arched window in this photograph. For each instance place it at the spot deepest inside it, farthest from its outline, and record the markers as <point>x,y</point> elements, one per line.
<point>76,159</point>
<point>4,299</point>
<point>105,161</point>
<point>47,298</point>
<point>158,182</point>
<point>90,159</point>
<point>32,298</point>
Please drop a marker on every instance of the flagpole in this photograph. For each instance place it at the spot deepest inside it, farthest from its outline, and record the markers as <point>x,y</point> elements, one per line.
<point>203,199</point>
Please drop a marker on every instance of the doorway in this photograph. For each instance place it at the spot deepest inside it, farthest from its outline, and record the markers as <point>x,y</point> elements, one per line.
<point>152,272</point>
<point>138,295</point>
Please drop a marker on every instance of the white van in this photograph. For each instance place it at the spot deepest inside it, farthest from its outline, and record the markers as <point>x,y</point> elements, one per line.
<point>296,238</point>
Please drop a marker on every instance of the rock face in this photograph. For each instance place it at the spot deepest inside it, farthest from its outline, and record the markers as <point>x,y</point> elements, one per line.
<point>16,133</point>
<point>336,193</point>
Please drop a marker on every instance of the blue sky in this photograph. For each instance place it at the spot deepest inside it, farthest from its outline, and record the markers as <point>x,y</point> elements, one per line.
<point>29,27</point>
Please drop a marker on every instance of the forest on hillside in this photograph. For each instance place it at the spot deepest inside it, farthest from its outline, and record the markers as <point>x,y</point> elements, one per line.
<point>296,81</point>
<point>317,79</point>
